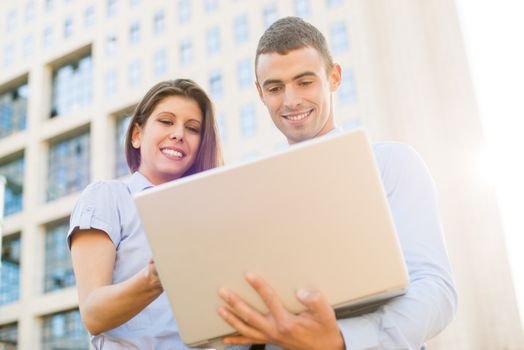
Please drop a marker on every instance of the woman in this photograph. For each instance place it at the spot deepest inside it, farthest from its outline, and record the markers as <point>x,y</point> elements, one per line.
<point>172,134</point>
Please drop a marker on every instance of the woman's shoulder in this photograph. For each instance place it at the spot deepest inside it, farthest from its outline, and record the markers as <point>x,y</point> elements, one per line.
<point>105,187</point>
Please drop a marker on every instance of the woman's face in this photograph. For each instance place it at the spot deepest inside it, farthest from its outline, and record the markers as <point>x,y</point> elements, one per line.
<point>169,140</point>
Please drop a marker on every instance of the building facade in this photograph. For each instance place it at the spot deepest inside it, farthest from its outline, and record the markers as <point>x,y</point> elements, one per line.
<point>71,72</point>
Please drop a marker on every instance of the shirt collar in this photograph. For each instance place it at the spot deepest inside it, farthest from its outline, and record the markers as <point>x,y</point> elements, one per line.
<point>336,130</point>
<point>138,183</point>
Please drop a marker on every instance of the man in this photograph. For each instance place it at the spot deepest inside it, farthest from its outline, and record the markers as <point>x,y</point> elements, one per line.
<point>296,80</point>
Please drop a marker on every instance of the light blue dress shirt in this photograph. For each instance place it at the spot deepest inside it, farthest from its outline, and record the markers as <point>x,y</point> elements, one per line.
<point>407,321</point>
<point>430,302</point>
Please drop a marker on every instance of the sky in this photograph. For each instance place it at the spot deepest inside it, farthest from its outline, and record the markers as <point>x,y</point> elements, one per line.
<point>494,39</point>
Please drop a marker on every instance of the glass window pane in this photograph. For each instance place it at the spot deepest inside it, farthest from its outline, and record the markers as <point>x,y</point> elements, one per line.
<point>64,330</point>
<point>72,86</point>
<point>10,270</point>
<point>213,40</point>
<point>13,110</point>
<point>215,84</point>
<point>186,52</point>
<point>122,124</point>
<point>302,8</point>
<point>68,166</point>
<point>245,73</point>
<point>159,22</point>
<point>339,37</point>
<point>13,171</point>
<point>347,91</point>
<point>160,63</point>
<point>270,14</point>
<point>184,11</point>
<point>58,271</point>
<point>248,120</point>
<point>241,29</point>
<point>9,336</point>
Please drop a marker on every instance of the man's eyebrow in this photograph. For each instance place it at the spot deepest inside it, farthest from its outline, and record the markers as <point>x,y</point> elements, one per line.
<point>296,77</point>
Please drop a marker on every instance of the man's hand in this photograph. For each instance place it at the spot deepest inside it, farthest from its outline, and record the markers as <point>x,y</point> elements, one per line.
<point>314,328</point>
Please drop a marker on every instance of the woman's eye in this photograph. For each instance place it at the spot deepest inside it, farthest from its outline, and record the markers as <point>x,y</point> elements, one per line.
<point>193,129</point>
<point>166,121</point>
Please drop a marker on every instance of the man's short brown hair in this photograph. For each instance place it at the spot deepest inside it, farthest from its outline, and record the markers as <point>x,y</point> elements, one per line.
<point>291,33</point>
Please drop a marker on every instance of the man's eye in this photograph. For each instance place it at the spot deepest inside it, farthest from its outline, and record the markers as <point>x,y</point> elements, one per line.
<point>273,90</point>
<point>305,83</point>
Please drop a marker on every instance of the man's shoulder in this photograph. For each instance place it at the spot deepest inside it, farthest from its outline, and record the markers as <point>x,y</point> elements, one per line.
<point>390,153</point>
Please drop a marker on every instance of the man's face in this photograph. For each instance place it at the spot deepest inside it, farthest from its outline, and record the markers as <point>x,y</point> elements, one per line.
<point>297,92</point>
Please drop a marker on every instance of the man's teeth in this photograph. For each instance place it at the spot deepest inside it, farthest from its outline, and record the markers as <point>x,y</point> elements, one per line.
<point>172,152</point>
<point>297,116</point>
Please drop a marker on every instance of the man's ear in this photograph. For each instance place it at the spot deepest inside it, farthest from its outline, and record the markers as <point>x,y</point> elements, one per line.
<point>136,136</point>
<point>260,93</point>
<point>335,77</point>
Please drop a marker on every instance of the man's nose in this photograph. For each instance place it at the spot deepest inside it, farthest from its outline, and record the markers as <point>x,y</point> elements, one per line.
<point>291,97</point>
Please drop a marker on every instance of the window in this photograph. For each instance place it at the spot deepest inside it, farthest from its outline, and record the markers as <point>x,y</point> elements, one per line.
<point>186,52</point>
<point>13,171</point>
<point>248,120</point>
<point>72,86</point>
<point>244,73</point>
<point>111,44</point>
<point>9,336</point>
<point>160,63</point>
<point>29,11</point>
<point>111,8</point>
<point>58,270</point>
<point>64,330</point>
<point>111,82</point>
<point>9,55</point>
<point>10,276</point>
<point>13,110</point>
<point>159,22</point>
<point>10,23</point>
<point>89,17</point>
<point>27,48</point>
<point>241,29</point>
<point>48,37</point>
<point>135,73</point>
<point>222,127</point>
<point>347,91</point>
<point>213,40</point>
<point>270,14</point>
<point>68,27</point>
<point>184,11</point>
<point>122,124</point>
<point>333,3</point>
<point>134,33</point>
<point>210,5</point>
<point>302,8</point>
<point>339,37</point>
<point>49,4</point>
<point>69,166</point>
<point>215,84</point>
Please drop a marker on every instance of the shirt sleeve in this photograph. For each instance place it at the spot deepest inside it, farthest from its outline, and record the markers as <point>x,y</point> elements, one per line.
<point>98,209</point>
<point>430,302</point>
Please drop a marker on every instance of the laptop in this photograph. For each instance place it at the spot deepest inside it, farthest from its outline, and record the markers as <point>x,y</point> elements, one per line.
<point>312,216</point>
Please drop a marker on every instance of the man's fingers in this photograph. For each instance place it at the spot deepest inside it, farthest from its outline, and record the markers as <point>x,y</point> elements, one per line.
<point>268,295</point>
<point>316,304</point>
<point>237,323</point>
